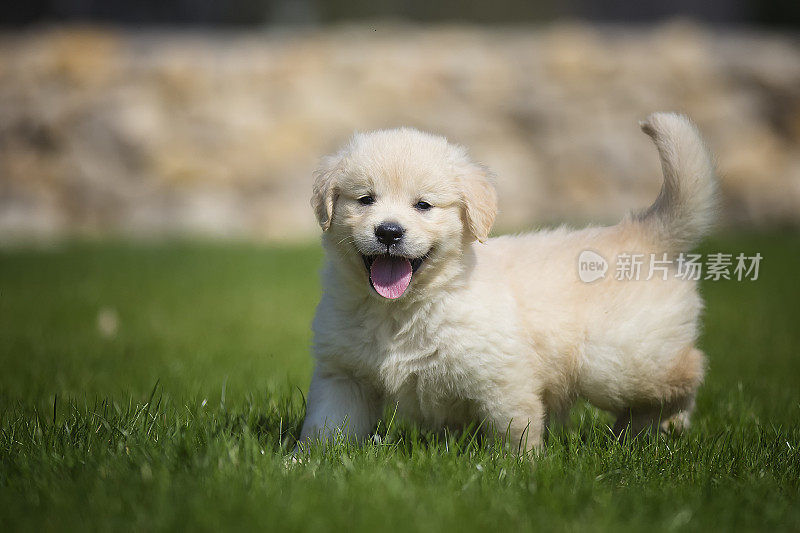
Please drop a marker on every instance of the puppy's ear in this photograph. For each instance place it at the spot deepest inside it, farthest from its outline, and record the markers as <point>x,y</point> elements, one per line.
<point>325,189</point>
<point>480,199</point>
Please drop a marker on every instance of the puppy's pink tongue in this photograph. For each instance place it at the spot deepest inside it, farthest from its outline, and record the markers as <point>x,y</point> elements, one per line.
<point>390,275</point>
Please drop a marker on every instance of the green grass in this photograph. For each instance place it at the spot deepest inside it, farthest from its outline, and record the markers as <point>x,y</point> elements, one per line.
<point>183,418</point>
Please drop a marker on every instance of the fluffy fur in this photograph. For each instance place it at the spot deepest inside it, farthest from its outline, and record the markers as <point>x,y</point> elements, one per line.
<point>499,331</point>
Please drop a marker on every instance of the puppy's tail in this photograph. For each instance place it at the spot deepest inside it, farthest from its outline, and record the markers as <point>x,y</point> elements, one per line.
<point>686,206</point>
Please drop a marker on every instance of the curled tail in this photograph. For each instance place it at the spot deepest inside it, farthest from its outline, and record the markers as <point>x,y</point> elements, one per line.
<point>686,206</point>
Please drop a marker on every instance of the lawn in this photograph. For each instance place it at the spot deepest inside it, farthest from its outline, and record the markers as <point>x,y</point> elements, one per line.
<point>160,386</point>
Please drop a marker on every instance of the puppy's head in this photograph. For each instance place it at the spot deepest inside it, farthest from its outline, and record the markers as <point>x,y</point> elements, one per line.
<point>398,207</point>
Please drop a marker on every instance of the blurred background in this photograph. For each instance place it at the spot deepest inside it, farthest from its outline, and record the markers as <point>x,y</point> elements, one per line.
<point>199,118</point>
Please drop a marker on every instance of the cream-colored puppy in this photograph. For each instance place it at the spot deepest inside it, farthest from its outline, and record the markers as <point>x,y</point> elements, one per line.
<point>416,314</point>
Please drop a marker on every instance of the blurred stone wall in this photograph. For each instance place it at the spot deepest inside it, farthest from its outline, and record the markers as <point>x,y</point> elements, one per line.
<point>190,133</point>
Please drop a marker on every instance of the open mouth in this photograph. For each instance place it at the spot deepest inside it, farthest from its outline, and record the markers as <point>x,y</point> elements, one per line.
<point>390,275</point>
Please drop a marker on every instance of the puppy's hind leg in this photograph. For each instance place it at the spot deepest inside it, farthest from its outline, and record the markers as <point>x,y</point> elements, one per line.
<point>663,418</point>
<point>680,421</point>
<point>669,403</point>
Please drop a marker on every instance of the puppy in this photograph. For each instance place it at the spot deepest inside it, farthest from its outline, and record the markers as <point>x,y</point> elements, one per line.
<point>421,311</point>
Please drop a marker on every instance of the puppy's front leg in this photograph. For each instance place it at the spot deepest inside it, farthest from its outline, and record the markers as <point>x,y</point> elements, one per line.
<point>519,420</point>
<point>339,404</point>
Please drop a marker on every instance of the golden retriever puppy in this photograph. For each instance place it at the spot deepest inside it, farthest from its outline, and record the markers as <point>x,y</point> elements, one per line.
<point>422,311</point>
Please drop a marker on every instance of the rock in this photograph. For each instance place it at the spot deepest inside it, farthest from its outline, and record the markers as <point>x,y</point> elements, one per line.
<point>191,133</point>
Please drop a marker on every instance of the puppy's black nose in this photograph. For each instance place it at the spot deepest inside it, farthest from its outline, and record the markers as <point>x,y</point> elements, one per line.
<point>389,233</point>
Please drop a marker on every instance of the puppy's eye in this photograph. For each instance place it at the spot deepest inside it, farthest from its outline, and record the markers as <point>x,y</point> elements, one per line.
<point>422,205</point>
<point>366,200</point>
